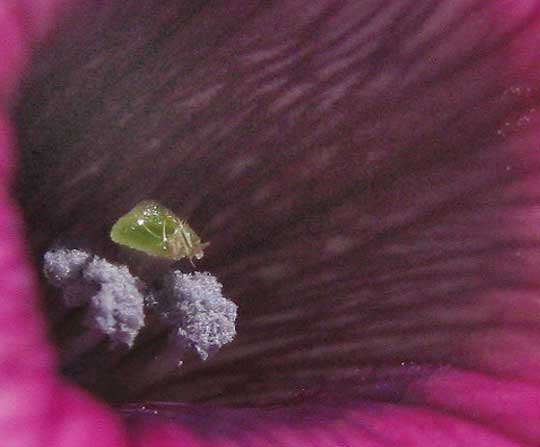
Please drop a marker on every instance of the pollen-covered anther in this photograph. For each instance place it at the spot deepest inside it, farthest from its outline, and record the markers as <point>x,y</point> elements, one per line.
<point>188,309</point>
<point>201,317</point>
<point>114,299</point>
<point>63,268</point>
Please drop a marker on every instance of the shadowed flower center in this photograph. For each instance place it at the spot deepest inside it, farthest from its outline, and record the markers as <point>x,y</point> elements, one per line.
<point>366,174</point>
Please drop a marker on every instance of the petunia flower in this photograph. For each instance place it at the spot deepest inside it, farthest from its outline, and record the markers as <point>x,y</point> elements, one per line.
<point>366,173</point>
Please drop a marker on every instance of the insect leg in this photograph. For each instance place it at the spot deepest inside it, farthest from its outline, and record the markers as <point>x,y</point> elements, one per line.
<point>164,234</point>
<point>187,237</point>
<point>181,245</point>
<point>188,243</point>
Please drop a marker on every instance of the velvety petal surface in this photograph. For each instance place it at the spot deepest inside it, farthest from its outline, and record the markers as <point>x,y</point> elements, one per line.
<point>367,175</point>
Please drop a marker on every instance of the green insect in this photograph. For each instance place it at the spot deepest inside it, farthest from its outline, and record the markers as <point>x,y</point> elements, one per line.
<point>157,231</point>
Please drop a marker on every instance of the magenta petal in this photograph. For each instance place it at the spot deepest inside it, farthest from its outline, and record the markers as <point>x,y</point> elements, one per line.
<point>14,52</point>
<point>366,424</point>
<point>36,407</point>
<point>22,24</point>
<point>448,408</point>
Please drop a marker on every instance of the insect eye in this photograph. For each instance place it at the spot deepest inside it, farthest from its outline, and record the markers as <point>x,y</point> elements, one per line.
<point>154,229</point>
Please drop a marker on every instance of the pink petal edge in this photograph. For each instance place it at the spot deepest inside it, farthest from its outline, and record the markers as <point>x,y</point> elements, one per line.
<point>38,408</point>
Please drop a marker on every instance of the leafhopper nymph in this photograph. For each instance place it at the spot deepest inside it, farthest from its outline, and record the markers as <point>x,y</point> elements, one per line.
<point>157,231</point>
